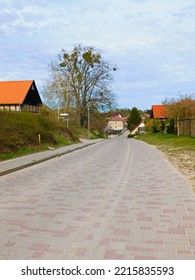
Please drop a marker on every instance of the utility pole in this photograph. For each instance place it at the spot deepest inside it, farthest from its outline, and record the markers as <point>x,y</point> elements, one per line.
<point>58,104</point>
<point>88,124</point>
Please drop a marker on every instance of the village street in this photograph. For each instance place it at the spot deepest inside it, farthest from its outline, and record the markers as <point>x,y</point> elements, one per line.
<point>117,199</point>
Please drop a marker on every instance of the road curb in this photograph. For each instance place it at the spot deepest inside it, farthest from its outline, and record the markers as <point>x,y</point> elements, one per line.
<point>34,162</point>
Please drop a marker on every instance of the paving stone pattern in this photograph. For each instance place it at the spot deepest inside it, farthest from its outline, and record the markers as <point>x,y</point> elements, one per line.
<point>117,199</point>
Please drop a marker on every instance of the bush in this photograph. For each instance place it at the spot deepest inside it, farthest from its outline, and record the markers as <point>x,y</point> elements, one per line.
<point>158,125</point>
<point>171,126</point>
<point>131,136</point>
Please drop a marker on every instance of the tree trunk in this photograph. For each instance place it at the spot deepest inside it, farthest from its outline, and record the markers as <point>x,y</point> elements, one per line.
<point>83,114</point>
<point>82,120</point>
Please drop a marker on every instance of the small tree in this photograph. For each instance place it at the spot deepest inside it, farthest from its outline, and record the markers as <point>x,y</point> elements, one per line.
<point>134,119</point>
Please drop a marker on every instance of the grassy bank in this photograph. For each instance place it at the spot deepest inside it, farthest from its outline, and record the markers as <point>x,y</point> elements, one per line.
<point>23,133</point>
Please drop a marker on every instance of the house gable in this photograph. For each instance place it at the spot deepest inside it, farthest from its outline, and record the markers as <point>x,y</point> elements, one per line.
<point>32,97</point>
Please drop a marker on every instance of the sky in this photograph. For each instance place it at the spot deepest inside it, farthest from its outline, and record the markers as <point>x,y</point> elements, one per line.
<point>152,42</point>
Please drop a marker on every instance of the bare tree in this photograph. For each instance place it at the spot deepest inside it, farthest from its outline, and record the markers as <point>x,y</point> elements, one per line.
<point>84,79</point>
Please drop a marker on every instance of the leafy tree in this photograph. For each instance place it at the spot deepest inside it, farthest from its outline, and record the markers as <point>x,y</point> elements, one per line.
<point>134,118</point>
<point>179,108</point>
<point>85,79</point>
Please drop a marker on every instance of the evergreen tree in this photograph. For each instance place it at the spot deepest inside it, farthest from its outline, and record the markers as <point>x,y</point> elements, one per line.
<point>134,119</point>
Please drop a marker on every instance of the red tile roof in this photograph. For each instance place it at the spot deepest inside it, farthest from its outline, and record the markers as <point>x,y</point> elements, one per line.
<point>14,92</point>
<point>116,114</point>
<point>158,112</point>
<point>116,119</point>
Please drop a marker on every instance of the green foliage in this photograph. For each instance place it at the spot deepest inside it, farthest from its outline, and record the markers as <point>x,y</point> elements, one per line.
<point>134,118</point>
<point>168,126</point>
<point>61,140</point>
<point>158,126</point>
<point>171,126</point>
<point>169,140</point>
<point>130,136</point>
<point>123,111</point>
<point>147,111</point>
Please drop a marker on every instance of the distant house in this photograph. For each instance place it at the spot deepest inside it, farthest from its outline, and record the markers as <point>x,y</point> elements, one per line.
<point>159,112</point>
<point>124,119</point>
<point>20,96</point>
<point>116,114</point>
<point>115,125</point>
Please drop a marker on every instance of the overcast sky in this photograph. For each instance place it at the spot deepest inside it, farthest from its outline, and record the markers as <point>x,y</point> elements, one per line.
<point>151,41</point>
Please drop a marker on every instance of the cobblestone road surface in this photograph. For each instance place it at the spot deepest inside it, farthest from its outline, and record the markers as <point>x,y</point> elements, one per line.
<point>117,199</point>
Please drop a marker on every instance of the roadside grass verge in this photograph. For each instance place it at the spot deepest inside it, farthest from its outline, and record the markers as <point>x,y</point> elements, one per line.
<point>169,141</point>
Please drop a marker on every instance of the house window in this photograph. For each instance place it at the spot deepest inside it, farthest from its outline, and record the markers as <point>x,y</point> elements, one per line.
<point>32,87</point>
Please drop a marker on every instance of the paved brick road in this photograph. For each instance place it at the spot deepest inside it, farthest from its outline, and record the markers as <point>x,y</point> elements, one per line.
<point>117,199</point>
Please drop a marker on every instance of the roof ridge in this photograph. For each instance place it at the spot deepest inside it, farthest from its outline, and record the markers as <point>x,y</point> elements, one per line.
<point>16,81</point>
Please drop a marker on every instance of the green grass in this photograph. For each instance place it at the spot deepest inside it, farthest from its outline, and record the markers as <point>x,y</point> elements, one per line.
<point>22,152</point>
<point>82,132</point>
<point>19,133</point>
<point>169,141</point>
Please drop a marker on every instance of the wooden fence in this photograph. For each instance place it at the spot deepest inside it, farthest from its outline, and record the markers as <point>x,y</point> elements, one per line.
<point>187,127</point>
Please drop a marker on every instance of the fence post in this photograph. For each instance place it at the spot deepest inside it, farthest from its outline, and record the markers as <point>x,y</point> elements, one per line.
<point>39,137</point>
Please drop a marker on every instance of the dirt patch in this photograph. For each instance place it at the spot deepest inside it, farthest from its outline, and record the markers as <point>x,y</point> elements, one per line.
<point>184,161</point>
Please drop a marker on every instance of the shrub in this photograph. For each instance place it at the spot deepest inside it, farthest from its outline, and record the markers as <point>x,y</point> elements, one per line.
<point>171,126</point>
<point>131,135</point>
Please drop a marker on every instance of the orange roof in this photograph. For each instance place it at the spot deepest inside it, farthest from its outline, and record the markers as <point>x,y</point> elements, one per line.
<point>158,112</point>
<point>14,92</point>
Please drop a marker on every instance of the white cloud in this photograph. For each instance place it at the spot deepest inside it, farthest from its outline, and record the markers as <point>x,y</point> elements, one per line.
<point>151,41</point>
